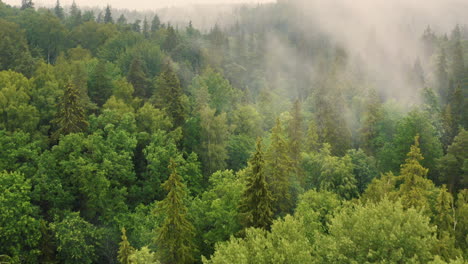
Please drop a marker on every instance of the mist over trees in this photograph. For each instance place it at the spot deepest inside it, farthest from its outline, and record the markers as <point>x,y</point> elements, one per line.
<point>281,136</point>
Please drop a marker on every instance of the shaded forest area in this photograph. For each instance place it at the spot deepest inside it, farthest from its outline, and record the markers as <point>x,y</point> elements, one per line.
<point>144,142</point>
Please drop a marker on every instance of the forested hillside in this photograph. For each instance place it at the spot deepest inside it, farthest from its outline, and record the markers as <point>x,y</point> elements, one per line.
<point>267,140</point>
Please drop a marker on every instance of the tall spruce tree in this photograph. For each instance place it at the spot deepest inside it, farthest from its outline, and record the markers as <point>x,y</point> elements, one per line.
<point>279,170</point>
<point>137,77</point>
<point>256,206</point>
<point>71,117</point>
<point>295,133</point>
<point>25,4</point>
<point>414,190</point>
<point>169,96</point>
<point>175,236</point>
<point>58,10</point>
<point>155,24</point>
<point>146,28</point>
<point>108,16</point>
<point>125,249</point>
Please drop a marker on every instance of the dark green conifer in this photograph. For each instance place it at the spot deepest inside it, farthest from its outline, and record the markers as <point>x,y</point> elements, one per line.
<point>175,236</point>
<point>58,10</point>
<point>256,205</point>
<point>279,169</point>
<point>71,117</point>
<point>108,16</point>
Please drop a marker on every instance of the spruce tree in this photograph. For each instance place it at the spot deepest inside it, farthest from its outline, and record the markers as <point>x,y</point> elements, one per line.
<point>175,236</point>
<point>279,169</point>
<point>295,133</point>
<point>125,249</point>
<point>311,140</point>
<point>75,16</point>
<point>169,96</point>
<point>414,190</point>
<point>71,117</point>
<point>256,205</point>
<point>58,10</point>
<point>137,77</point>
<point>146,29</point>
<point>155,24</point>
<point>25,4</point>
<point>108,16</point>
<point>122,20</point>
<point>442,79</point>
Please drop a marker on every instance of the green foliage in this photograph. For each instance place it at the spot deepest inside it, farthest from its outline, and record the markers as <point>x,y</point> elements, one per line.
<point>77,240</point>
<point>175,236</point>
<point>453,166</point>
<point>215,212</point>
<point>256,207</point>
<point>285,243</point>
<point>279,171</point>
<point>14,50</point>
<point>15,111</point>
<point>143,256</point>
<point>326,172</point>
<point>376,233</point>
<point>214,140</point>
<point>71,116</point>
<point>316,209</point>
<point>125,249</point>
<point>169,96</point>
<point>19,225</point>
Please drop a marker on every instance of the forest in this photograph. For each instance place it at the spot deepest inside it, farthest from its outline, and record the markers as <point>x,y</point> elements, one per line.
<point>272,139</point>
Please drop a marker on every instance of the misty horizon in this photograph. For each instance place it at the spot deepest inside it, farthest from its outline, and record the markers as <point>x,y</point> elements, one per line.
<point>140,5</point>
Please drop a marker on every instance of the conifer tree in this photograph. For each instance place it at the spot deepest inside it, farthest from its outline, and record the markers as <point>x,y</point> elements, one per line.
<point>171,40</point>
<point>137,77</point>
<point>279,169</point>
<point>125,249</point>
<point>146,29</point>
<point>415,187</point>
<point>75,15</point>
<point>58,10</point>
<point>169,96</point>
<point>372,115</point>
<point>25,4</point>
<point>311,140</point>
<point>122,20</point>
<point>256,205</point>
<point>175,236</point>
<point>155,24</point>
<point>444,208</point>
<point>295,133</point>
<point>442,78</point>
<point>108,16</point>
<point>71,117</point>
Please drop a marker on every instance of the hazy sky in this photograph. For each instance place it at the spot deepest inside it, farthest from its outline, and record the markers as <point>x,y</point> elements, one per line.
<point>136,4</point>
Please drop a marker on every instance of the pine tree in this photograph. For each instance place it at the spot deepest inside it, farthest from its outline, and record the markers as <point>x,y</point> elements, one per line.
<point>108,16</point>
<point>256,205</point>
<point>125,249</point>
<point>58,10</point>
<point>279,169</point>
<point>71,117</point>
<point>137,77</point>
<point>25,4</point>
<point>175,236</point>
<point>155,24</point>
<point>169,96</point>
<point>415,188</point>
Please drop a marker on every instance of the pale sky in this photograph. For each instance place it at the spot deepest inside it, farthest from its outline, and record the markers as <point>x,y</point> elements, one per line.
<point>135,4</point>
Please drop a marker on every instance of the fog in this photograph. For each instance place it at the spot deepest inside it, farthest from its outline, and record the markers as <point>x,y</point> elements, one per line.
<point>137,4</point>
<point>382,36</point>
